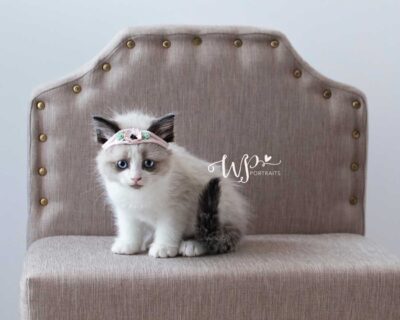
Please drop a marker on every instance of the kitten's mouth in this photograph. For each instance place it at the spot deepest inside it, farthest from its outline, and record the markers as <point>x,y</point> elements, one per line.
<point>136,186</point>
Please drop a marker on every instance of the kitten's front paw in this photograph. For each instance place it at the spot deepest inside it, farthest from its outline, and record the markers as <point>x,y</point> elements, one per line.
<point>123,247</point>
<point>192,248</point>
<point>161,251</point>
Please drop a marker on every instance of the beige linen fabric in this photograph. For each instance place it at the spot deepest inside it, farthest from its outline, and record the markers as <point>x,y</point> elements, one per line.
<point>229,100</point>
<point>280,277</point>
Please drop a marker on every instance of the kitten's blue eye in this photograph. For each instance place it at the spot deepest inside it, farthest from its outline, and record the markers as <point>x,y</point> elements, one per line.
<point>122,164</point>
<point>148,164</point>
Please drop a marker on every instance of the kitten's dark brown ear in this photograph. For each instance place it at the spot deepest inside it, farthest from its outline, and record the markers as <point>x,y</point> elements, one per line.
<point>164,127</point>
<point>105,129</point>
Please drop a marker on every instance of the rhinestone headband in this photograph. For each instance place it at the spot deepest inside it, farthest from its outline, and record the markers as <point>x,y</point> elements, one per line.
<point>134,136</point>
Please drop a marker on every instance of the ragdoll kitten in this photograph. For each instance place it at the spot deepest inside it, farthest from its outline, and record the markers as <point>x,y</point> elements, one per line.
<point>152,182</point>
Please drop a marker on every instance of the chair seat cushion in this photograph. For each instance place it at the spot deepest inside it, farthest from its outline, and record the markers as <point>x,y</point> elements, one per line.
<point>330,276</point>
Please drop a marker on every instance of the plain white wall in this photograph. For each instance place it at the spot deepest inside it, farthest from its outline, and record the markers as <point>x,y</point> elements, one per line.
<point>355,42</point>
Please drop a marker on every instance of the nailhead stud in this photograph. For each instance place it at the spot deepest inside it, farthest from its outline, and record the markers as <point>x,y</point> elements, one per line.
<point>197,41</point>
<point>354,166</point>
<point>130,44</point>
<point>237,43</point>
<point>42,137</point>
<point>43,202</point>
<point>42,171</point>
<point>327,93</point>
<point>106,67</point>
<point>274,43</point>
<point>40,105</point>
<point>297,73</point>
<point>356,134</point>
<point>166,44</point>
<point>353,200</point>
<point>76,88</point>
<point>356,104</point>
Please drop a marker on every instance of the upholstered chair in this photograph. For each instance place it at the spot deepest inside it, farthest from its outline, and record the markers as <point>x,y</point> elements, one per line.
<point>236,91</point>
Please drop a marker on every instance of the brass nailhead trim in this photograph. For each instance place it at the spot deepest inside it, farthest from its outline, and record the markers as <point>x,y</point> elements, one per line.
<point>166,44</point>
<point>297,73</point>
<point>197,41</point>
<point>327,93</point>
<point>274,43</point>
<point>43,202</point>
<point>355,134</point>
<point>106,66</point>
<point>40,105</point>
<point>355,166</point>
<point>76,88</point>
<point>356,104</point>
<point>42,171</point>
<point>130,44</point>
<point>42,137</point>
<point>237,43</point>
<point>353,200</point>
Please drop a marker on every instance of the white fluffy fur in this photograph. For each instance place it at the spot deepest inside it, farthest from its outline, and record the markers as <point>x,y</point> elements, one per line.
<point>163,210</point>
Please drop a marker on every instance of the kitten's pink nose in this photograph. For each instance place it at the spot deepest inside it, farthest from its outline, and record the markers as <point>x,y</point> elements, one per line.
<point>136,180</point>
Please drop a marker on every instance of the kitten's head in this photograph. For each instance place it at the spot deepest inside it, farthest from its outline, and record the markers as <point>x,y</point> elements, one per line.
<point>134,166</point>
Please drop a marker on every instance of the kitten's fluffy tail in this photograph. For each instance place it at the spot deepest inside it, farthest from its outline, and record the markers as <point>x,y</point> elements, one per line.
<point>217,237</point>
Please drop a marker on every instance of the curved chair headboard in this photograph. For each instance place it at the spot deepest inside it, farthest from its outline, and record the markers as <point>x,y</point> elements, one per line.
<point>236,91</point>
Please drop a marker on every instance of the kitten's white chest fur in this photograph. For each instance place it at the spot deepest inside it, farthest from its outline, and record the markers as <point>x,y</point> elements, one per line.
<point>145,205</point>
